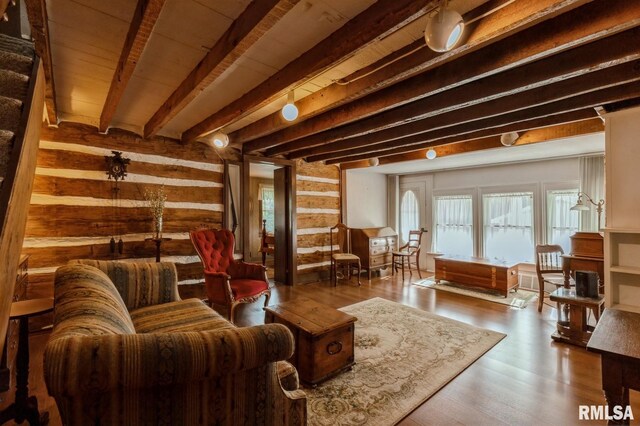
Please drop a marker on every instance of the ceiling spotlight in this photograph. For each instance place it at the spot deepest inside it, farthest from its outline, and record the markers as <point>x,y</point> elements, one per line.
<point>508,139</point>
<point>444,29</point>
<point>290,111</point>
<point>374,162</point>
<point>431,154</point>
<point>220,140</point>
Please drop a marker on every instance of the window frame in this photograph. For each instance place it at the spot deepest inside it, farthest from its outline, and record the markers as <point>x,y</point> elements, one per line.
<point>470,192</point>
<point>506,189</point>
<point>555,186</point>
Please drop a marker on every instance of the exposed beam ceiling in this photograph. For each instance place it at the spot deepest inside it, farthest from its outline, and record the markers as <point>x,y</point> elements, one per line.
<point>526,138</point>
<point>37,14</point>
<point>585,101</point>
<point>415,58</point>
<point>246,30</point>
<point>564,32</point>
<point>379,20</point>
<point>522,100</point>
<point>144,19</point>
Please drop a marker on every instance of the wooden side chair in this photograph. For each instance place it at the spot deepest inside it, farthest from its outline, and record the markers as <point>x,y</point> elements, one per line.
<point>405,254</point>
<point>342,256</point>
<point>267,243</point>
<point>548,269</point>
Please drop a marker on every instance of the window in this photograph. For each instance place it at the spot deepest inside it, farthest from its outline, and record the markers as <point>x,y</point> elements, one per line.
<point>266,207</point>
<point>561,221</point>
<point>453,227</point>
<point>508,226</point>
<point>409,214</point>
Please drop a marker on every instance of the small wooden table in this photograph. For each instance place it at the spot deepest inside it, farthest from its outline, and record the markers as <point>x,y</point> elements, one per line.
<point>576,331</point>
<point>617,340</point>
<point>25,407</point>
<point>158,242</point>
<point>324,337</point>
<point>478,272</point>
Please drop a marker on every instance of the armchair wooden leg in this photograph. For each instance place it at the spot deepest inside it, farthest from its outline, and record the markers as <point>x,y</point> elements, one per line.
<point>540,295</point>
<point>359,272</point>
<point>232,311</point>
<point>267,297</point>
<point>418,265</point>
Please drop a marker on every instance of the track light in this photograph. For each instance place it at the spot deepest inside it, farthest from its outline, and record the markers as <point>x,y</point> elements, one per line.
<point>220,140</point>
<point>374,161</point>
<point>508,139</point>
<point>290,111</point>
<point>444,29</point>
<point>431,154</point>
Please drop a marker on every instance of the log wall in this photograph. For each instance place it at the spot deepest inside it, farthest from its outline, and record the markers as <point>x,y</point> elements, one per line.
<point>318,209</point>
<point>72,214</point>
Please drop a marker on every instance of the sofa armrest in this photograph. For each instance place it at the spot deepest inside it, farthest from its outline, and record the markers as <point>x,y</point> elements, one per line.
<point>76,365</point>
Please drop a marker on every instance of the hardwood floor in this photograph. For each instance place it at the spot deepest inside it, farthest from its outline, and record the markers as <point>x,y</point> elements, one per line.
<point>525,379</point>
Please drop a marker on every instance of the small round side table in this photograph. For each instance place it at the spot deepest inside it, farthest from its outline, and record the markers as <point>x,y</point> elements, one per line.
<point>25,407</point>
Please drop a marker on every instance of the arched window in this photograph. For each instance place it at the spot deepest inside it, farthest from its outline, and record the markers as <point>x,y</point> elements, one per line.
<point>409,214</point>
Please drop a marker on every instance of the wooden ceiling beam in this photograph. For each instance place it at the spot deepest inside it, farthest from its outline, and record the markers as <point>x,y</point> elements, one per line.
<point>564,32</point>
<point>575,66</point>
<point>410,60</point>
<point>142,23</point>
<point>528,137</point>
<point>585,101</point>
<point>37,15</point>
<point>378,21</point>
<point>521,100</point>
<point>441,139</point>
<point>258,18</point>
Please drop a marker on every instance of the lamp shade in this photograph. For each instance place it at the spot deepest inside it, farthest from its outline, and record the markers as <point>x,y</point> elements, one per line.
<point>220,140</point>
<point>579,207</point>
<point>444,29</point>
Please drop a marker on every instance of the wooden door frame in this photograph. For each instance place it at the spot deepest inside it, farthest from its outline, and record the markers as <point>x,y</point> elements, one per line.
<point>292,258</point>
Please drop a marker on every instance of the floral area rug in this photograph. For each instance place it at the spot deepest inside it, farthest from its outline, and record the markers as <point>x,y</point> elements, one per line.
<point>518,299</point>
<point>403,356</point>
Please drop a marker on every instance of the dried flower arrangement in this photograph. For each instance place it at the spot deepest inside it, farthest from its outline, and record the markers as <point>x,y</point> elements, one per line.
<point>156,199</point>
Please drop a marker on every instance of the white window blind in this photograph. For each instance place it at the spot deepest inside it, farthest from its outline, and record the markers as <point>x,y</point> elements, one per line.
<point>409,214</point>
<point>561,221</point>
<point>508,226</point>
<point>453,225</point>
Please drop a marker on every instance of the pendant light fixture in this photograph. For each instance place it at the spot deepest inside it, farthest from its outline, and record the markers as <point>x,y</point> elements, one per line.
<point>444,29</point>
<point>508,139</point>
<point>373,162</point>
<point>431,154</point>
<point>290,111</point>
<point>220,140</point>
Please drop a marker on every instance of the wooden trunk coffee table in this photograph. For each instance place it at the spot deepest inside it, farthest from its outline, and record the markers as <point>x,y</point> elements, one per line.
<point>324,337</point>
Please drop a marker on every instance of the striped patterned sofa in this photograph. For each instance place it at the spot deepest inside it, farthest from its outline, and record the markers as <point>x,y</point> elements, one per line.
<point>126,350</point>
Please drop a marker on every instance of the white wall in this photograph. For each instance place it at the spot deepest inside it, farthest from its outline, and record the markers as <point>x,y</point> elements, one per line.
<point>366,199</point>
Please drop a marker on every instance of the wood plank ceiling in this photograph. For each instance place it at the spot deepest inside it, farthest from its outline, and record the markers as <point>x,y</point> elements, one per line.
<point>365,83</point>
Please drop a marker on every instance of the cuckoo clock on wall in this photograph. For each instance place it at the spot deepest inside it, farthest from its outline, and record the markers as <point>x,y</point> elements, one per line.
<point>116,172</point>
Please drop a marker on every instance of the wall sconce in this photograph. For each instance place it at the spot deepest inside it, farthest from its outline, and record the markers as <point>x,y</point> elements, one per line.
<point>580,207</point>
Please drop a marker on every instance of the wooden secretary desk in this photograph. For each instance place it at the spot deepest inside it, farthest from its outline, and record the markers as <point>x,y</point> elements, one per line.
<point>374,247</point>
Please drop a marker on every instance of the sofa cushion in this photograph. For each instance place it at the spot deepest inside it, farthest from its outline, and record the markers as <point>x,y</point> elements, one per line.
<point>246,288</point>
<point>87,303</point>
<point>140,283</point>
<point>184,315</point>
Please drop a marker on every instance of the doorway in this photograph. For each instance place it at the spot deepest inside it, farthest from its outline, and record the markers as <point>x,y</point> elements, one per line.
<point>269,205</point>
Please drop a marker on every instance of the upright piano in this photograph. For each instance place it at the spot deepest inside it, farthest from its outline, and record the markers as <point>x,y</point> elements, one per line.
<point>587,254</point>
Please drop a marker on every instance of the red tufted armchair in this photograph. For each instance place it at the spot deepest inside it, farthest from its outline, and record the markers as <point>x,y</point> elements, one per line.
<point>228,282</point>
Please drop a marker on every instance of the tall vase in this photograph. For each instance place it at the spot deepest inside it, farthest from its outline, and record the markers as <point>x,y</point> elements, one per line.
<point>157,226</point>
